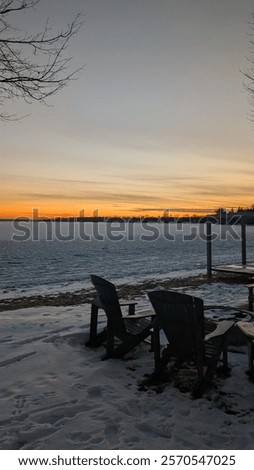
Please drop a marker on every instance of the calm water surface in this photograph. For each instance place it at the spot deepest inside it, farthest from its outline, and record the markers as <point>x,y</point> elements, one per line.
<point>142,252</point>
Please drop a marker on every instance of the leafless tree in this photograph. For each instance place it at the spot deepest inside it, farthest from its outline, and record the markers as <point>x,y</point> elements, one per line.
<point>248,72</point>
<point>33,66</point>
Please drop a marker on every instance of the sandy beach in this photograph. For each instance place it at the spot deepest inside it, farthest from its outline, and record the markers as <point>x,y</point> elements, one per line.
<point>58,394</point>
<point>130,290</point>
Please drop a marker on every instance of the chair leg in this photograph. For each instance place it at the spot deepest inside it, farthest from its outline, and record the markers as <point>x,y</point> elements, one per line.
<point>250,298</point>
<point>225,355</point>
<point>93,321</point>
<point>166,356</point>
<point>200,368</point>
<point>205,382</point>
<point>156,349</point>
<point>110,345</point>
<point>128,343</point>
<point>97,340</point>
<point>250,358</point>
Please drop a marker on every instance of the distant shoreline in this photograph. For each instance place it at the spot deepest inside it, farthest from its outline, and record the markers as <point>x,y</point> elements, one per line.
<point>235,219</point>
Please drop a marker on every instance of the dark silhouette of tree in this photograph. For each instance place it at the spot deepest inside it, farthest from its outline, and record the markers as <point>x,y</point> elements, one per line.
<point>248,72</point>
<point>33,66</point>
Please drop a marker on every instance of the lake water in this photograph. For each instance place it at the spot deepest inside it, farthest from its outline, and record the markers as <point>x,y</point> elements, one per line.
<point>56,256</point>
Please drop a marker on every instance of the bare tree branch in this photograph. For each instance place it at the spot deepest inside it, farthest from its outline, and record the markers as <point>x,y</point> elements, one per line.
<point>248,71</point>
<point>32,66</point>
<point>8,6</point>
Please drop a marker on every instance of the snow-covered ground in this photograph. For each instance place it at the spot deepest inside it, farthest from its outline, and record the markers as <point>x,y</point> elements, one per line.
<point>58,394</point>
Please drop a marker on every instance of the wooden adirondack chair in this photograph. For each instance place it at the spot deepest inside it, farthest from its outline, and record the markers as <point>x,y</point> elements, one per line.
<point>181,317</point>
<point>247,329</point>
<point>119,326</point>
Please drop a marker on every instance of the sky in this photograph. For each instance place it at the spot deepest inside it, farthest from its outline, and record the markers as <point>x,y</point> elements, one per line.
<point>158,118</point>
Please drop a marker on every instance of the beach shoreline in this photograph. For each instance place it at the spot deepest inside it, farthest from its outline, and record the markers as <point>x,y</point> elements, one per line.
<point>139,289</point>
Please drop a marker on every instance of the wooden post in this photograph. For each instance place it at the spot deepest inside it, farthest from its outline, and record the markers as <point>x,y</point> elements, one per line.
<point>243,232</point>
<point>209,248</point>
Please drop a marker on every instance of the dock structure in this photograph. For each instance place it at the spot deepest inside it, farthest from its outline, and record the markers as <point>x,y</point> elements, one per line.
<point>241,269</point>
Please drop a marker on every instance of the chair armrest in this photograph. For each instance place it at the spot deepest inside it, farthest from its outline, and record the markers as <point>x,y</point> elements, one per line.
<point>97,303</point>
<point>128,302</point>
<point>247,328</point>
<point>145,314</point>
<point>221,329</point>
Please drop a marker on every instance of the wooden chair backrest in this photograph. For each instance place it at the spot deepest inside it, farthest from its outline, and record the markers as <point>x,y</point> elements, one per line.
<point>181,317</point>
<point>109,301</point>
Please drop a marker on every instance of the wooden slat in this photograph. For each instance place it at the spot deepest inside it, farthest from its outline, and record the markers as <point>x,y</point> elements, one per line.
<point>221,329</point>
<point>247,328</point>
<point>247,269</point>
<point>137,325</point>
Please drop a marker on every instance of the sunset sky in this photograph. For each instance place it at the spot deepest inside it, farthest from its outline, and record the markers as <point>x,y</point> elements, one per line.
<point>158,118</point>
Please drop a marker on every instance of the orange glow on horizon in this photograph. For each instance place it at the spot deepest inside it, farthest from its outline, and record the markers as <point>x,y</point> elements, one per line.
<point>69,210</point>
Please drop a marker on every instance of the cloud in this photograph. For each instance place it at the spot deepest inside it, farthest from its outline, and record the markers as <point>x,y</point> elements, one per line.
<point>97,196</point>
<point>173,209</point>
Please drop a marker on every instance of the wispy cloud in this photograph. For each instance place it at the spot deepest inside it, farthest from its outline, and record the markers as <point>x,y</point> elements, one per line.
<point>92,196</point>
<point>173,209</point>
